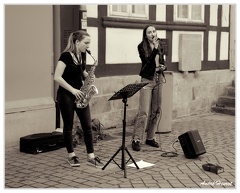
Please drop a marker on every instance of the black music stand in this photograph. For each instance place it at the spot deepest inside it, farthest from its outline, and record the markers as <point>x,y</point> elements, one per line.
<point>123,94</point>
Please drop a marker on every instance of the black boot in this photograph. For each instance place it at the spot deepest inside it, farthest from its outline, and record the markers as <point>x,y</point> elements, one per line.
<point>136,145</point>
<point>152,143</point>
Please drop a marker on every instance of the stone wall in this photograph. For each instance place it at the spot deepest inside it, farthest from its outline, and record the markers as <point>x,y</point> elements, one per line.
<point>191,95</point>
<point>110,113</point>
<point>195,95</point>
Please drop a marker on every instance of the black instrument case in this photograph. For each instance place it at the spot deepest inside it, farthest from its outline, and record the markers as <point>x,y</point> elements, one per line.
<point>41,142</point>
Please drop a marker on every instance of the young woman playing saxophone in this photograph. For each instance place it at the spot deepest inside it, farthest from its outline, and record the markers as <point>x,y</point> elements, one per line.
<point>70,74</point>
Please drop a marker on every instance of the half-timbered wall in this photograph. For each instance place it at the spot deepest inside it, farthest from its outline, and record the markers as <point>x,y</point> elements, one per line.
<point>196,83</point>
<point>33,44</point>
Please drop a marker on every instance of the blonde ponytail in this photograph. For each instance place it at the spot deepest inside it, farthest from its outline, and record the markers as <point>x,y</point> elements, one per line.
<point>77,35</point>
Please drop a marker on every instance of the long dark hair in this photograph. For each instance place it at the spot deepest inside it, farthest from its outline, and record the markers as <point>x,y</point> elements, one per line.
<point>145,42</point>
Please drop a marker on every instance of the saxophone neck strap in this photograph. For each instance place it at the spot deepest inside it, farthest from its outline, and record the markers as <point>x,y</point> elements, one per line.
<point>77,59</point>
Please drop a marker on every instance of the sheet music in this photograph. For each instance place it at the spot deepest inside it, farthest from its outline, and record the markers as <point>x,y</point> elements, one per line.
<point>141,164</point>
<point>128,91</point>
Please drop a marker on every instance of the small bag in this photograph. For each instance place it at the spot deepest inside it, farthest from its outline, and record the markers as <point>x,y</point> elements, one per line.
<point>97,128</point>
<point>213,168</point>
<point>97,132</point>
<point>41,142</point>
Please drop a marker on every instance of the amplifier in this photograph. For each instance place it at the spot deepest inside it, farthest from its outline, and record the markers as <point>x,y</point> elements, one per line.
<point>191,144</point>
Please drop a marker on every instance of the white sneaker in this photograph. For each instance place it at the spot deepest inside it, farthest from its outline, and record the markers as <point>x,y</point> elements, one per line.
<point>96,162</point>
<point>74,161</point>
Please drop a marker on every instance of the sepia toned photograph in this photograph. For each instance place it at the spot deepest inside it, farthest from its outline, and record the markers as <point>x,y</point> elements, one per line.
<point>119,96</point>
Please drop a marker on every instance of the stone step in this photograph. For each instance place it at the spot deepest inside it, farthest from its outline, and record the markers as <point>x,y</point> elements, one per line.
<point>224,110</point>
<point>226,101</point>
<point>226,104</point>
<point>230,91</point>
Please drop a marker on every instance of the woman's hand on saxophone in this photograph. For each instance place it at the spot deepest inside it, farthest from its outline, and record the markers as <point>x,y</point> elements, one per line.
<point>78,94</point>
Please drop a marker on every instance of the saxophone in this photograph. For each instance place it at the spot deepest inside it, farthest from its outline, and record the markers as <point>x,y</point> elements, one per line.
<point>88,88</point>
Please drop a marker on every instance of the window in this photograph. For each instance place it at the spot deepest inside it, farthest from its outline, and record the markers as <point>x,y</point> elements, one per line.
<point>128,11</point>
<point>189,13</point>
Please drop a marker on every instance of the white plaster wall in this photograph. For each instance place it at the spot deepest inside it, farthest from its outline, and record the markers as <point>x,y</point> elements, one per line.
<point>224,46</point>
<point>93,32</point>
<point>213,15</point>
<point>225,16</point>
<point>92,11</point>
<point>212,42</point>
<point>161,13</point>
<point>29,104</point>
<point>161,33</point>
<point>25,117</point>
<point>121,45</point>
<point>175,44</point>
<point>28,51</point>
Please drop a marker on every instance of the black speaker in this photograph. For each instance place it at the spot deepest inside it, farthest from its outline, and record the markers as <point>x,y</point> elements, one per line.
<point>191,143</point>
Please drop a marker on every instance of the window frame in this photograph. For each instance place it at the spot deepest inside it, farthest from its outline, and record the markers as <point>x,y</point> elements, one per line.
<point>188,19</point>
<point>129,14</point>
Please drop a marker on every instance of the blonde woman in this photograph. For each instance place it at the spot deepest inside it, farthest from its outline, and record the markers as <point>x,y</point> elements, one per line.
<point>69,74</point>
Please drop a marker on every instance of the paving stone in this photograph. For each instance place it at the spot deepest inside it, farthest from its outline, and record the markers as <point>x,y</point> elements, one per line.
<point>50,169</point>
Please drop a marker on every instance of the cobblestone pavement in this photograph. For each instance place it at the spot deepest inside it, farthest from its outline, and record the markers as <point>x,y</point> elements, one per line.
<point>50,169</point>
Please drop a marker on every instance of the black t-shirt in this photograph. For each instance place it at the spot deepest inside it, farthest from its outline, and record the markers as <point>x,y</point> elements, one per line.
<point>73,73</point>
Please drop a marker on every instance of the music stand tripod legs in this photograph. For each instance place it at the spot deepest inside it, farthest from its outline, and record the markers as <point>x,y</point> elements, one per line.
<point>123,148</point>
<point>123,94</point>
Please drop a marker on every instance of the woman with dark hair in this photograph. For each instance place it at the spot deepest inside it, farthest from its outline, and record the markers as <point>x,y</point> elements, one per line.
<point>69,74</point>
<point>151,55</point>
